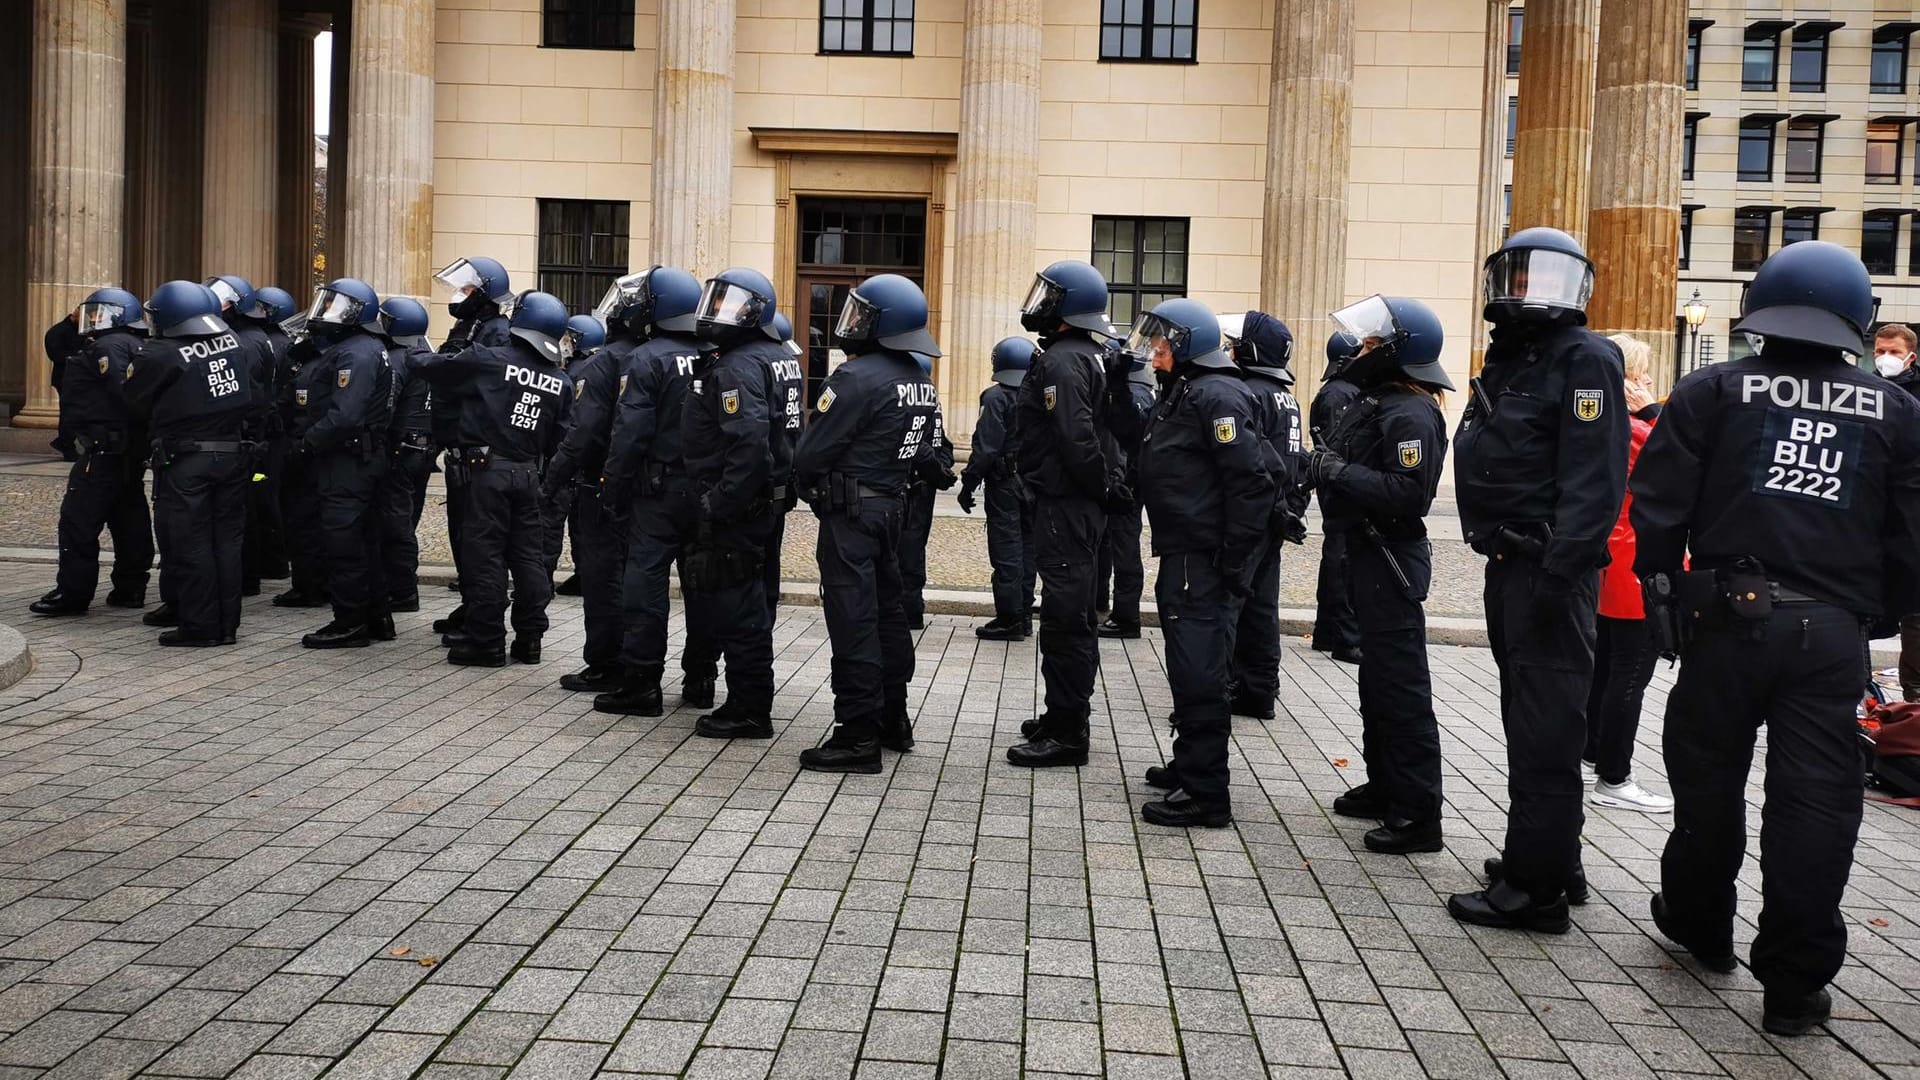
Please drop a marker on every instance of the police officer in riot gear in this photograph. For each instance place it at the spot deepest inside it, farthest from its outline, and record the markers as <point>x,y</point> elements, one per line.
<point>1377,471</point>
<point>729,435</point>
<point>1792,479</point>
<point>874,429</point>
<point>1540,466</point>
<point>1009,508</point>
<point>1205,480</point>
<point>1068,460</point>
<point>789,396</point>
<point>299,495</point>
<point>103,487</point>
<point>190,382</point>
<point>584,338</point>
<point>916,527</point>
<point>267,540</point>
<point>344,445</point>
<point>651,317</point>
<point>479,287</point>
<point>1335,632</point>
<point>599,543</point>
<point>402,494</point>
<point>237,302</point>
<point>1262,346</point>
<point>511,401</point>
<point>1132,399</point>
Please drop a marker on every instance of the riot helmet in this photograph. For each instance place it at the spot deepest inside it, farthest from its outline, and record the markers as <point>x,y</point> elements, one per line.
<point>271,304</point>
<point>885,310</point>
<point>1539,275</point>
<point>1259,343</point>
<point>736,303</point>
<point>657,298</point>
<point>540,320</point>
<point>584,335</point>
<point>1180,332</point>
<point>1070,292</point>
<point>784,327</point>
<point>476,283</point>
<point>342,304</point>
<point>180,309</point>
<point>1812,292</point>
<point>1339,355</point>
<point>403,321</point>
<point>108,309</point>
<point>235,294</point>
<point>1393,335</point>
<point>1012,359</point>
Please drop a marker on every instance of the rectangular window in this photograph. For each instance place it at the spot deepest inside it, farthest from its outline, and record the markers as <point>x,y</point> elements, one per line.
<point>1513,123</point>
<point>1516,19</point>
<point>1888,70</point>
<point>1693,55</point>
<point>1147,30</point>
<point>1879,237</point>
<point>868,234</point>
<point>1803,151</point>
<point>1883,153</point>
<point>1506,212</point>
<point>1144,260</point>
<point>1808,72</point>
<point>1686,236</point>
<point>1797,227</point>
<point>1756,152</point>
<point>1750,234</point>
<point>583,247</point>
<point>1690,140</point>
<point>1759,62</point>
<point>586,24</point>
<point>867,27</point>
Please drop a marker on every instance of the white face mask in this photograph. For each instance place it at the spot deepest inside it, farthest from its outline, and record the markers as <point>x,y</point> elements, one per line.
<point>1889,366</point>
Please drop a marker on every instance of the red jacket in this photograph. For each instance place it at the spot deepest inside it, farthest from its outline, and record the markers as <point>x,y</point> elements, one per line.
<point>1619,589</point>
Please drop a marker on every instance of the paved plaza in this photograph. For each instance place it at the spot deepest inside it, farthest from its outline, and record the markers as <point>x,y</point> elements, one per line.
<point>271,863</point>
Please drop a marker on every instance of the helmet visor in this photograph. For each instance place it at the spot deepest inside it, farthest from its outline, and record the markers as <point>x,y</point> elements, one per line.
<point>1151,333</point>
<point>95,317</point>
<point>622,294</point>
<point>569,345</point>
<point>227,293</point>
<point>1534,277</point>
<point>295,326</point>
<point>1369,319</point>
<point>1043,297</point>
<point>729,305</point>
<point>857,319</point>
<point>335,308</point>
<point>462,277</point>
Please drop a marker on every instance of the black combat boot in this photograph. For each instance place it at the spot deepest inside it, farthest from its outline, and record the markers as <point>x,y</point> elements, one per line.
<point>1504,907</point>
<point>569,587</point>
<point>1360,802</point>
<point>896,727</point>
<point>1247,704</point>
<point>1577,891</point>
<point>697,693</point>
<point>181,639</point>
<point>164,615</point>
<point>594,679</point>
<point>638,695</point>
<point>731,721</point>
<point>57,603</point>
<point>526,650</point>
<point>1400,836</point>
<point>455,620</point>
<point>339,634</point>
<point>468,654</point>
<point>1161,776</point>
<point>126,599</point>
<point>380,626</point>
<point>1118,628</point>
<point>1714,957</point>
<point>1062,740</point>
<point>294,598</point>
<point>1796,1014</point>
<point>852,748</point>
<point>1004,628</point>
<point>1182,811</point>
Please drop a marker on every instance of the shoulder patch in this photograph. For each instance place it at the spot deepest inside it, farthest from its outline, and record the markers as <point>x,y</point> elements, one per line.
<point>1587,404</point>
<point>1225,430</point>
<point>127,374</point>
<point>343,378</point>
<point>1410,454</point>
<point>730,401</point>
<point>1049,396</point>
<point>623,386</point>
<point>579,387</point>
<point>826,399</point>
<point>300,397</point>
<point>103,365</point>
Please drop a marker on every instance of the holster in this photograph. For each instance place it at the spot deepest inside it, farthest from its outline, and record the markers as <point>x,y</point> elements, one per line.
<point>1527,540</point>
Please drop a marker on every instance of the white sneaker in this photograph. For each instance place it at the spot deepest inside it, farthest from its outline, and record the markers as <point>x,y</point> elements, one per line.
<point>1629,795</point>
<point>1587,771</point>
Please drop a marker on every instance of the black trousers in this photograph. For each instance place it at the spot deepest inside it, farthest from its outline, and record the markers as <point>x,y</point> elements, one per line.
<point>199,510</point>
<point>1120,561</point>
<point>401,497</point>
<point>600,558</point>
<point>734,620</point>
<point>555,513</point>
<point>655,528</point>
<point>502,536</point>
<point>776,538</point>
<point>1400,740</point>
<point>300,511</point>
<point>1067,532</point>
<point>1256,644</point>
<point>1623,660</point>
<point>1802,674</point>
<point>1334,626</point>
<point>264,554</point>
<point>345,482</point>
<point>862,596</point>
<point>457,476</point>
<point>1198,618</point>
<point>1010,548</point>
<point>104,491</point>
<point>1546,666</point>
<point>916,526</point>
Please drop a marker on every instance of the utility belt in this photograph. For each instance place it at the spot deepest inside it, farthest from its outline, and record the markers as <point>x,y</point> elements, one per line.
<point>482,457</point>
<point>111,442</point>
<point>657,479</point>
<point>1739,597</point>
<point>166,451</point>
<point>417,441</point>
<point>1524,540</point>
<point>840,493</point>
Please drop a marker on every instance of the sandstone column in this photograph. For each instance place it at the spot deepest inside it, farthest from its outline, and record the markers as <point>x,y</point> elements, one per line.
<point>238,195</point>
<point>1556,116</point>
<point>78,163</point>
<point>16,91</point>
<point>388,222</point>
<point>1493,137</point>
<point>1639,124</point>
<point>1303,245</point>
<point>693,137</point>
<point>997,189</point>
<point>293,151</point>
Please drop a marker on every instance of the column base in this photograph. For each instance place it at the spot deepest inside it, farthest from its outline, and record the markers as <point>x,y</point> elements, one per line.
<point>37,416</point>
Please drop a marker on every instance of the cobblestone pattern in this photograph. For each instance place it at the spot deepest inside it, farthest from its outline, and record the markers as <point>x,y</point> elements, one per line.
<point>269,863</point>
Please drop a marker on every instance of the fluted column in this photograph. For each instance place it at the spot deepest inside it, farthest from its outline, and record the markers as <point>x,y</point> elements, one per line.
<point>388,219</point>
<point>693,136</point>
<point>1639,122</point>
<point>1493,137</point>
<point>238,198</point>
<point>1555,125</point>
<point>997,190</point>
<point>16,91</point>
<point>293,244</point>
<point>78,162</point>
<point>1303,245</point>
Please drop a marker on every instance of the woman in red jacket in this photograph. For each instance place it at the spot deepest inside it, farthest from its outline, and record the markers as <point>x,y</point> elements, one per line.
<point>1623,648</point>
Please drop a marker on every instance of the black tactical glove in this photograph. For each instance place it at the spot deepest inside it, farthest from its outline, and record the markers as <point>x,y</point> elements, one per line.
<point>1119,498</point>
<point>1324,468</point>
<point>945,480</point>
<point>1294,530</point>
<point>965,498</point>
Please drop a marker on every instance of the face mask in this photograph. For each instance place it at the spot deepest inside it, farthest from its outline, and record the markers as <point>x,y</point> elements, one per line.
<point>1889,366</point>
<point>469,306</point>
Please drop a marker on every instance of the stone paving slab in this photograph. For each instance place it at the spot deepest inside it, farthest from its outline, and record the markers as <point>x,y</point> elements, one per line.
<point>266,862</point>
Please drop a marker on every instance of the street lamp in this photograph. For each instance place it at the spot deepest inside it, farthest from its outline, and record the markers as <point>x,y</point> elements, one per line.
<point>1696,314</point>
